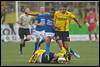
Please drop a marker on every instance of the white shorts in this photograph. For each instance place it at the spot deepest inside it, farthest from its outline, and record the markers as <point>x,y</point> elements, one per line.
<point>38,34</point>
<point>51,34</point>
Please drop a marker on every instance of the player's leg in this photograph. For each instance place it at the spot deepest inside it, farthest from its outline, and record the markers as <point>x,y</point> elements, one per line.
<point>66,41</point>
<point>89,31</point>
<point>39,40</point>
<point>21,35</point>
<point>96,38</point>
<point>28,36</point>
<point>47,41</point>
<point>36,44</point>
<point>48,37</point>
<point>42,38</point>
<point>90,38</point>
<point>12,28</point>
<point>58,38</point>
<point>65,45</point>
<point>21,46</point>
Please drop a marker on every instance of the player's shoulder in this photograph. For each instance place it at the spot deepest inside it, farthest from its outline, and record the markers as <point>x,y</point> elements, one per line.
<point>68,12</point>
<point>57,12</point>
<point>23,14</point>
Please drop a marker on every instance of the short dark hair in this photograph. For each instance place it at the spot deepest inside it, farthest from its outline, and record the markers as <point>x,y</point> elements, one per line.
<point>52,10</point>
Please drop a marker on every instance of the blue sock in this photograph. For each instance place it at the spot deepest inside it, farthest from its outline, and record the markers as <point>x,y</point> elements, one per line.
<point>47,49</point>
<point>40,43</point>
<point>72,51</point>
<point>36,46</point>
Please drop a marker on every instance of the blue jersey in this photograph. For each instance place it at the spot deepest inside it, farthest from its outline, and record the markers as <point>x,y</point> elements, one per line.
<point>48,20</point>
<point>38,19</point>
<point>49,27</point>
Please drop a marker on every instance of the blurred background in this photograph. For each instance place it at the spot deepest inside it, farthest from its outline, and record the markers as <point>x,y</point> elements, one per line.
<point>11,10</point>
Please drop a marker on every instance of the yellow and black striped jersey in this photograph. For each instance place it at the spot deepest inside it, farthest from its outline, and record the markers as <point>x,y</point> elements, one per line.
<point>61,20</point>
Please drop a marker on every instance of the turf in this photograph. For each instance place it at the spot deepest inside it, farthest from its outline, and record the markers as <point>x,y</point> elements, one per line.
<point>89,52</point>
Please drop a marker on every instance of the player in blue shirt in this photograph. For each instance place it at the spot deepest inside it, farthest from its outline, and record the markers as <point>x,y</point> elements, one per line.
<point>49,31</point>
<point>44,30</point>
<point>39,30</point>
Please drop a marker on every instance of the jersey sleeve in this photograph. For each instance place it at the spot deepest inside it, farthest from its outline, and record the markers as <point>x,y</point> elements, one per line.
<point>71,15</point>
<point>55,14</point>
<point>37,19</point>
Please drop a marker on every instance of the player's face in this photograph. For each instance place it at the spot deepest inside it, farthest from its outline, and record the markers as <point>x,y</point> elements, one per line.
<point>27,10</point>
<point>42,9</point>
<point>91,12</point>
<point>63,9</point>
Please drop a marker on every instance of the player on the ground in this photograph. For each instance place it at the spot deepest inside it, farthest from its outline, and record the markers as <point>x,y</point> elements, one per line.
<point>39,56</point>
<point>91,20</point>
<point>61,23</point>
<point>24,22</point>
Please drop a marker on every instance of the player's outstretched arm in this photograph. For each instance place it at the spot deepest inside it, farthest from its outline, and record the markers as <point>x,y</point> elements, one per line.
<point>77,22</point>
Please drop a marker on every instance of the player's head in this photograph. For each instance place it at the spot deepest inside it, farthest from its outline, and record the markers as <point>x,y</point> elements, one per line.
<point>42,9</point>
<point>62,9</point>
<point>27,10</point>
<point>90,12</point>
<point>52,11</point>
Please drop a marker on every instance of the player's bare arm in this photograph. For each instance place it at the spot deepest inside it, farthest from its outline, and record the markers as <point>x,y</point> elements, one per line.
<point>77,22</point>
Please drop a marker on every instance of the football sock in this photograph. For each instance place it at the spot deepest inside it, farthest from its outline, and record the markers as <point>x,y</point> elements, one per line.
<point>71,51</point>
<point>47,49</point>
<point>21,48</point>
<point>36,46</point>
<point>40,43</point>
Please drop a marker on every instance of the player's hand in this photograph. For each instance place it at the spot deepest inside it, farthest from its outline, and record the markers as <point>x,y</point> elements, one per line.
<point>87,24</point>
<point>42,24</point>
<point>80,26</point>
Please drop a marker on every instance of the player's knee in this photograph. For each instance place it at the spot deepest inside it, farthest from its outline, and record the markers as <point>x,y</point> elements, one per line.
<point>22,41</point>
<point>68,39</point>
<point>28,37</point>
<point>47,40</point>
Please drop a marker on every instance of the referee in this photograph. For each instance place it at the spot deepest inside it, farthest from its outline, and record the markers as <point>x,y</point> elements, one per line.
<point>24,28</point>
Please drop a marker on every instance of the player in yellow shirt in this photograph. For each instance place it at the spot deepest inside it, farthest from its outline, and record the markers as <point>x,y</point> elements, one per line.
<point>61,23</point>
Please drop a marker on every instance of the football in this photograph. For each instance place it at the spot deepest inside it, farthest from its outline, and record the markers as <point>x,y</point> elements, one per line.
<point>61,60</point>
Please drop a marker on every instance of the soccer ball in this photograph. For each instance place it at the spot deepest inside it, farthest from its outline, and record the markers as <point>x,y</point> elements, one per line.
<point>61,60</point>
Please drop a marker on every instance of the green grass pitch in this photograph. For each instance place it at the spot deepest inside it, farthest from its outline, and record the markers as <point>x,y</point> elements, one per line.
<point>89,52</point>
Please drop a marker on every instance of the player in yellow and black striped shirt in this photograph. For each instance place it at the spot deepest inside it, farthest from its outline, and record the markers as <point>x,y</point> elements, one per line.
<point>61,23</point>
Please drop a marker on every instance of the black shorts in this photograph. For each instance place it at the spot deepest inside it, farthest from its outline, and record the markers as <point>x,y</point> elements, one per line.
<point>62,35</point>
<point>23,32</point>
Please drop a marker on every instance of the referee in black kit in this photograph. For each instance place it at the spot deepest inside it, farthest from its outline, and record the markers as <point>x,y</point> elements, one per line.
<point>24,22</point>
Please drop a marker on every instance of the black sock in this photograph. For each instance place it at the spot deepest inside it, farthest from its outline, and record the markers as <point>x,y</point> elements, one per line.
<point>21,48</point>
<point>69,57</point>
<point>41,43</point>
